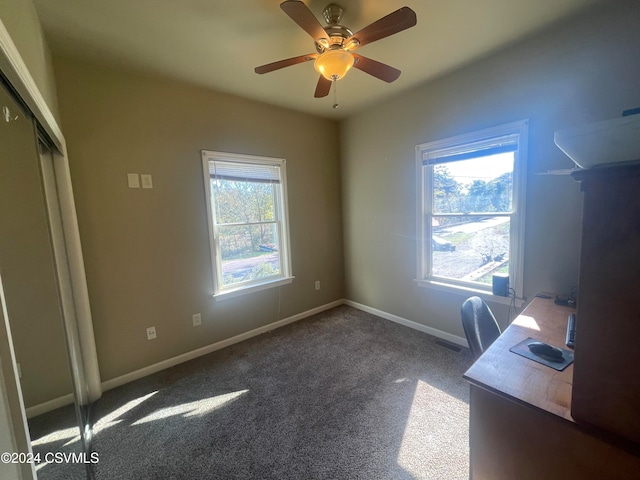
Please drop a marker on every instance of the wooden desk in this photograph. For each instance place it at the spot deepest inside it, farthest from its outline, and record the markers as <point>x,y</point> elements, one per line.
<point>520,422</point>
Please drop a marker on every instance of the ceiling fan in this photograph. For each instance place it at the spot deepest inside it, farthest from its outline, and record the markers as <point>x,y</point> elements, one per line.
<point>335,44</point>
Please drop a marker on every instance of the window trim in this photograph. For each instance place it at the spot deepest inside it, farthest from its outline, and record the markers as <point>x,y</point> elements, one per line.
<point>425,186</point>
<point>282,222</point>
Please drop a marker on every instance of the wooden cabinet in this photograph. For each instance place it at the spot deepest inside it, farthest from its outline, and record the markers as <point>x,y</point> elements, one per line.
<point>606,379</point>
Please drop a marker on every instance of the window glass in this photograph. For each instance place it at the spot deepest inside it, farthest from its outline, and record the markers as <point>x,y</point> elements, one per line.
<point>471,214</point>
<point>470,249</point>
<point>247,219</point>
<point>483,184</point>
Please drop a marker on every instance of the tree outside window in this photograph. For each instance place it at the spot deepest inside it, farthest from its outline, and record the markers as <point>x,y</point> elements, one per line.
<point>471,211</point>
<point>247,219</point>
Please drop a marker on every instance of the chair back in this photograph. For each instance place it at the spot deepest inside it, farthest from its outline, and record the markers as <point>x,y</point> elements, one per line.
<point>479,325</point>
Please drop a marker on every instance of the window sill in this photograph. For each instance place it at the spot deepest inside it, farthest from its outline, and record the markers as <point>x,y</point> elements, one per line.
<point>252,288</point>
<point>468,291</point>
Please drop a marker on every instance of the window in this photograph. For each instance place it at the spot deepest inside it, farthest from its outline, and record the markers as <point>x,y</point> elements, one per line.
<point>471,208</point>
<point>247,211</point>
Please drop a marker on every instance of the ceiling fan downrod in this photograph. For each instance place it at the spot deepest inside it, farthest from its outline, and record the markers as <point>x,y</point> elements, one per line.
<point>332,13</point>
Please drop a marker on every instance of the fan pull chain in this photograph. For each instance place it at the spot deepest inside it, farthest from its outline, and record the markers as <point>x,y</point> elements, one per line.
<point>335,95</point>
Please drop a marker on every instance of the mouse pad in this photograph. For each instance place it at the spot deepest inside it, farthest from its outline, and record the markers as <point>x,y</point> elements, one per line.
<point>522,349</point>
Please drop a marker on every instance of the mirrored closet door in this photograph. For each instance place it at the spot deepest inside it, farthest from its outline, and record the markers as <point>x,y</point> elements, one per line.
<point>38,297</point>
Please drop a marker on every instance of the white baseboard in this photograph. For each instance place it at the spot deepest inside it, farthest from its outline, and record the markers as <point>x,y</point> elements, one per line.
<point>170,362</point>
<point>409,323</point>
<point>49,405</point>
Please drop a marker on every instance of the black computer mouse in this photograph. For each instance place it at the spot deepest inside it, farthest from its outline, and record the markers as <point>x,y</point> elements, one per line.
<point>544,350</point>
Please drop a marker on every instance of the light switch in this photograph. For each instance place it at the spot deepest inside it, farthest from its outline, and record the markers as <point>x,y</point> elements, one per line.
<point>133,180</point>
<point>151,333</point>
<point>147,182</point>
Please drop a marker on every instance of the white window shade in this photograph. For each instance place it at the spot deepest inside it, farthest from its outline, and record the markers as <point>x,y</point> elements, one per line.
<point>244,172</point>
<point>467,151</point>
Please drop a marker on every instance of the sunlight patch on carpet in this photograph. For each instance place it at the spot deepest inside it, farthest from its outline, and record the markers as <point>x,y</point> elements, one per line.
<point>111,419</point>
<point>433,441</point>
<point>57,436</point>
<point>192,409</point>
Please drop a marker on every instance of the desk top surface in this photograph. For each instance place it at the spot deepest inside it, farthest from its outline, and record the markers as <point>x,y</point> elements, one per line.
<point>509,374</point>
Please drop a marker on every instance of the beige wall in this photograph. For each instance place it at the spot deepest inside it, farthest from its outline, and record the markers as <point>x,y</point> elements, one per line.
<point>579,72</point>
<point>146,251</point>
<point>21,21</point>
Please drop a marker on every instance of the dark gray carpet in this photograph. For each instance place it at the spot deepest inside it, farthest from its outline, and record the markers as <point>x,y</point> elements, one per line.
<point>56,433</point>
<point>341,395</point>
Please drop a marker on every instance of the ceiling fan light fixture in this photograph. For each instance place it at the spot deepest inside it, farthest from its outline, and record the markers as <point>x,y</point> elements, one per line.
<point>334,64</point>
<point>352,44</point>
<point>324,44</point>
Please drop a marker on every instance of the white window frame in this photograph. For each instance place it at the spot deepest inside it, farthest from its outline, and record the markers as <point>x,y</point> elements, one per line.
<point>424,174</point>
<point>281,219</point>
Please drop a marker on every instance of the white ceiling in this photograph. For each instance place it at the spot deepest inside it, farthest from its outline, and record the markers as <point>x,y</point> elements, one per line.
<point>217,43</point>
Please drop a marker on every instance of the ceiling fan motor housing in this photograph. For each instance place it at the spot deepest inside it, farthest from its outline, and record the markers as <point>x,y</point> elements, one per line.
<point>337,34</point>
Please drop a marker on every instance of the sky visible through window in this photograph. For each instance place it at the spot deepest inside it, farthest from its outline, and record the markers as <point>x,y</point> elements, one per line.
<point>466,171</point>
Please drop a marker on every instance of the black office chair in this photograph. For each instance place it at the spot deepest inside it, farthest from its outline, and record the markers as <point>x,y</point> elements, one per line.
<point>479,325</point>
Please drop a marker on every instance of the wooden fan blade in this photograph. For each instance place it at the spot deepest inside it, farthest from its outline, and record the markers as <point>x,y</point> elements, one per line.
<point>395,22</point>
<point>379,70</point>
<point>270,67</point>
<point>323,88</point>
<point>300,13</point>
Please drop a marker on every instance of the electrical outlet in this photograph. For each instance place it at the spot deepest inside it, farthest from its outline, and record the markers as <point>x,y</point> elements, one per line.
<point>151,333</point>
<point>197,319</point>
<point>147,182</point>
<point>317,284</point>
